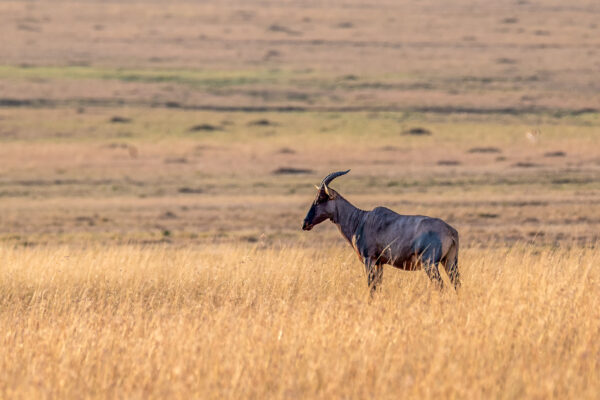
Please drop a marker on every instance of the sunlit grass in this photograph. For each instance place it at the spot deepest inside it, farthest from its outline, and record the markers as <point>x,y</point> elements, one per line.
<point>245,322</point>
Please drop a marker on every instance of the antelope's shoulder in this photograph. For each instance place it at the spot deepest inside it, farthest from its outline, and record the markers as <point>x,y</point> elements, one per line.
<point>382,217</point>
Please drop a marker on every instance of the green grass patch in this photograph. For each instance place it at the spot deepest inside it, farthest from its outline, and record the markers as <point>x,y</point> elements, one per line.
<point>210,79</point>
<point>199,78</point>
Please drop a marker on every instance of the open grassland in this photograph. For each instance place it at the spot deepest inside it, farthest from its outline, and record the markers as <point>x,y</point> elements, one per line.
<point>145,122</point>
<point>139,175</point>
<point>250,322</point>
<point>157,159</point>
<point>463,55</point>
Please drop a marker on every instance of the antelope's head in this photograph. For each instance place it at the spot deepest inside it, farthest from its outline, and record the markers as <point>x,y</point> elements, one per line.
<point>324,205</point>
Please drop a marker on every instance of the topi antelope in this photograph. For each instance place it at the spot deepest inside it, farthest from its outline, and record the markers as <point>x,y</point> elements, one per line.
<point>382,236</point>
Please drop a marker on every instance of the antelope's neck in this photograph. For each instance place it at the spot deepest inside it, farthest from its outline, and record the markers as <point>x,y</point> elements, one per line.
<point>347,218</point>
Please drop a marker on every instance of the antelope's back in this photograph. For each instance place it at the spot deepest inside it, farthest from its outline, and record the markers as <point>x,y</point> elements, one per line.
<point>402,235</point>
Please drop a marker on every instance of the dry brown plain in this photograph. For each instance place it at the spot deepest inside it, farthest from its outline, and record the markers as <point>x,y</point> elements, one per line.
<point>157,161</point>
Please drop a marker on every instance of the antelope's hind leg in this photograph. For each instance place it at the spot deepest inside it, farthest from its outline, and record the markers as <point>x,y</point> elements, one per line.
<point>430,259</point>
<point>428,248</point>
<point>451,266</point>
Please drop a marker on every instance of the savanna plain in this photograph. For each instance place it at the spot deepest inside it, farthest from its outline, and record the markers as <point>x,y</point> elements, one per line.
<point>157,160</point>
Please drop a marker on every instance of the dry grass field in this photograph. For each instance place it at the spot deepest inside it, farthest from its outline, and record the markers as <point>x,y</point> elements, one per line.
<point>157,160</point>
<point>244,322</point>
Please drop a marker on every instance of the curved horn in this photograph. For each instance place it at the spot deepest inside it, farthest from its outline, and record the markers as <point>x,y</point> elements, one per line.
<point>332,176</point>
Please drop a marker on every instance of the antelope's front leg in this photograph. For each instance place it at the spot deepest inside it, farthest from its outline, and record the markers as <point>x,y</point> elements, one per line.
<point>374,274</point>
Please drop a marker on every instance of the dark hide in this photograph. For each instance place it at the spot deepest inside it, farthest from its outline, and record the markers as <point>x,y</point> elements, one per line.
<point>381,236</point>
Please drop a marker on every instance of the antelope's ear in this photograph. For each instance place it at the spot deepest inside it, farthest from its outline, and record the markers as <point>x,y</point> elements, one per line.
<point>318,188</point>
<point>329,194</point>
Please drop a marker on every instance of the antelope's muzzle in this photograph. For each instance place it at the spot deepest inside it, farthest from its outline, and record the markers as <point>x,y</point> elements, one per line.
<point>306,226</point>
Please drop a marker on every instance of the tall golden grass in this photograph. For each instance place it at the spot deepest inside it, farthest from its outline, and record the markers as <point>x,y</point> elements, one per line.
<point>246,322</point>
